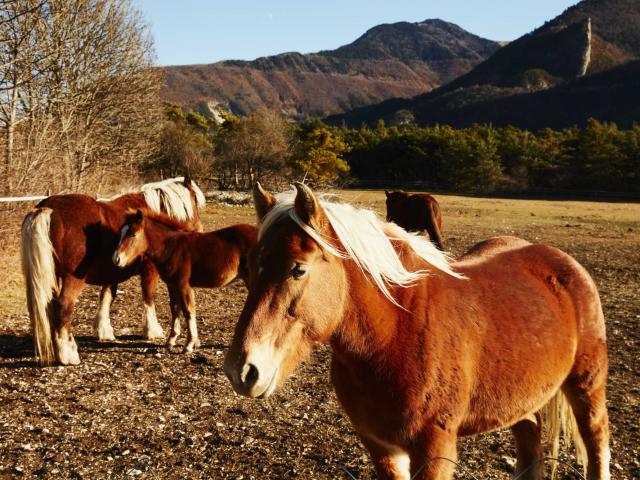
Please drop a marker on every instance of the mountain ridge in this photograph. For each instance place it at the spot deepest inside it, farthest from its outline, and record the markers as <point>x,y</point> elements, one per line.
<point>390,60</point>
<point>591,37</point>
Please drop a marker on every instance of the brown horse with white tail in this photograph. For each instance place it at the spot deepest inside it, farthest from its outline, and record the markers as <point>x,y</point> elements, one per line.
<point>68,240</point>
<point>424,350</point>
<point>185,259</point>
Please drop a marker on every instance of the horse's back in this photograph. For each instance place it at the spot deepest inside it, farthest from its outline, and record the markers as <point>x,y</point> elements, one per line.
<point>84,233</point>
<point>530,315</point>
<point>549,275</point>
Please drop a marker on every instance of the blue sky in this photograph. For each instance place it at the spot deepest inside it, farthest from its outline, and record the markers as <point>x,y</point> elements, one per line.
<point>205,31</point>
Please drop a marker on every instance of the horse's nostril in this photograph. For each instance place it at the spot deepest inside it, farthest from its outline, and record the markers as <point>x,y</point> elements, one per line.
<point>249,375</point>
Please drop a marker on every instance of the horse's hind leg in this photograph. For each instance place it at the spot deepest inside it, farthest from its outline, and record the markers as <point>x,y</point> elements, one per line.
<point>102,323</point>
<point>149,280</point>
<point>65,347</point>
<point>586,394</point>
<point>189,311</point>
<point>529,452</point>
<point>174,303</point>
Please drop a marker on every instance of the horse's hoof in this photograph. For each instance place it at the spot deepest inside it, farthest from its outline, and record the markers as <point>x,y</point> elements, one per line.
<point>69,359</point>
<point>153,335</point>
<point>107,338</point>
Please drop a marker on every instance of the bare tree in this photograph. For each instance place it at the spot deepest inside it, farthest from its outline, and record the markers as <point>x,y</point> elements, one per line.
<point>252,148</point>
<point>77,77</point>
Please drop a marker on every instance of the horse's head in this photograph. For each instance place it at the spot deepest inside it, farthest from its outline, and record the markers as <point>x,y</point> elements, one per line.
<point>395,201</point>
<point>133,241</point>
<point>296,295</point>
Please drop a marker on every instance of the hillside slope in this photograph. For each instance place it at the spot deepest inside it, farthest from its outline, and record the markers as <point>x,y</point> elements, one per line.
<point>395,60</point>
<point>592,37</point>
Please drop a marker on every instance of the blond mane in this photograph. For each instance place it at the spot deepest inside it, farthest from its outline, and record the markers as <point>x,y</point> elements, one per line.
<point>174,196</point>
<point>170,196</point>
<point>366,239</point>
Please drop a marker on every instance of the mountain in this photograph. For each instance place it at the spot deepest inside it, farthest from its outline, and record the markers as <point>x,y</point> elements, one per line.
<point>392,60</point>
<point>590,38</point>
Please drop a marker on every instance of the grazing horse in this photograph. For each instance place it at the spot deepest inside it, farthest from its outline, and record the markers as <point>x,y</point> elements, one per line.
<point>68,240</point>
<point>185,259</point>
<point>416,212</point>
<point>424,350</point>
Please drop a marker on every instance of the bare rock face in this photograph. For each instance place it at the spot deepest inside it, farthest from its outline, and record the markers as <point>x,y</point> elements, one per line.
<point>542,79</point>
<point>586,51</point>
<point>396,60</point>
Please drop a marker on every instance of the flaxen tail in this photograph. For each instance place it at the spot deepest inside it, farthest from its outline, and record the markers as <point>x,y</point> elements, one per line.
<point>38,267</point>
<point>561,424</point>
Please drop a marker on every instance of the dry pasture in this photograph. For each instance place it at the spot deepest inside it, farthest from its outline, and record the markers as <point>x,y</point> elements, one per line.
<point>134,410</point>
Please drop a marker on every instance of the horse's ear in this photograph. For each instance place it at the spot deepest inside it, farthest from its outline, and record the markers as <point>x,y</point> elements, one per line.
<point>387,192</point>
<point>308,208</point>
<point>138,218</point>
<point>262,200</point>
<point>188,182</point>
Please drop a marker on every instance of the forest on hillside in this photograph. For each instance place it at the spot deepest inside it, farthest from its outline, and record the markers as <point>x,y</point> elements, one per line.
<point>81,111</point>
<point>482,158</point>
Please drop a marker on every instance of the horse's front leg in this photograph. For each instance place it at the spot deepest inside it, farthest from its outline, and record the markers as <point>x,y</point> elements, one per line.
<point>175,304</point>
<point>102,323</point>
<point>149,281</point>
<point>189,312</point>
<point>66,350</point>
<point>391,463</point>
<point>434,454</point>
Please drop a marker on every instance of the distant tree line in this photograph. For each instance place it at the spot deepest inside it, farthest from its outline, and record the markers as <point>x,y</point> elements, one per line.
<point>482,158</point>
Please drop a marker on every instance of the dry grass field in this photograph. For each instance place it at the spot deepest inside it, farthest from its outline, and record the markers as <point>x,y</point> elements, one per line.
<point>134,410</point>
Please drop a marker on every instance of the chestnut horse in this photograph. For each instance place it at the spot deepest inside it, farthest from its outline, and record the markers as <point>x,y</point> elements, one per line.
<point>424,350</point>
<point>68,240</point>
<point>185,259</point>
<point>416,212</point>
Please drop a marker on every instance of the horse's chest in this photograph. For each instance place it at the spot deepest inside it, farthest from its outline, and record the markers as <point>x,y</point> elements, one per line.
<point>381,408</point>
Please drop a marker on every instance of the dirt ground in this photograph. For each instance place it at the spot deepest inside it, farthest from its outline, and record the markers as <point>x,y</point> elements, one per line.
<point>132,409</point>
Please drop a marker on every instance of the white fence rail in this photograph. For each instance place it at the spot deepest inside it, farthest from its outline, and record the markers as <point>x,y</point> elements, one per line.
<point>22,199</point>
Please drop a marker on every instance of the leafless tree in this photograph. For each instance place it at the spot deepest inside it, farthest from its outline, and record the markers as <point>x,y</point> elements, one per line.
<point>78,89</point>
<point>252,148</point>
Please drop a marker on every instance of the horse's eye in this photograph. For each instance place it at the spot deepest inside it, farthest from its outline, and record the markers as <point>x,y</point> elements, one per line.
<point>297,271</point>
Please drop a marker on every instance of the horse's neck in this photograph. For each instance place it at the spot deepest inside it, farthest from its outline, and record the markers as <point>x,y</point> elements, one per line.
<point>372,324</point>
<point>159,239</point>
<point>370,320</point>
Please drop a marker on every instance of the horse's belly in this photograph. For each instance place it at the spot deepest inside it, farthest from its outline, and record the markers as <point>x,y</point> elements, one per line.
<point>523,383</point>
<point>105,273</point>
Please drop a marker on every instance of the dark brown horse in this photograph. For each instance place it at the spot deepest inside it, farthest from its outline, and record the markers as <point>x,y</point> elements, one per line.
<point>416,212</point>
<point>185,259</point>
<point>68,240</point>
<point>424,351</point>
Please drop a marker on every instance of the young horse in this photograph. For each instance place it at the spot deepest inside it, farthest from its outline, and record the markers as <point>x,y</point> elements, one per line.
<point>416,212</point>
<point>180,198</point>
<point>68,240</point>
<point>423,351</point>
<point>185,259</point>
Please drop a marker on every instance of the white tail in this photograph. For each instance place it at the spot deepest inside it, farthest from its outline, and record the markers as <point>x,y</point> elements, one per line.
<point>561,423</point>
<point>39,271</point>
